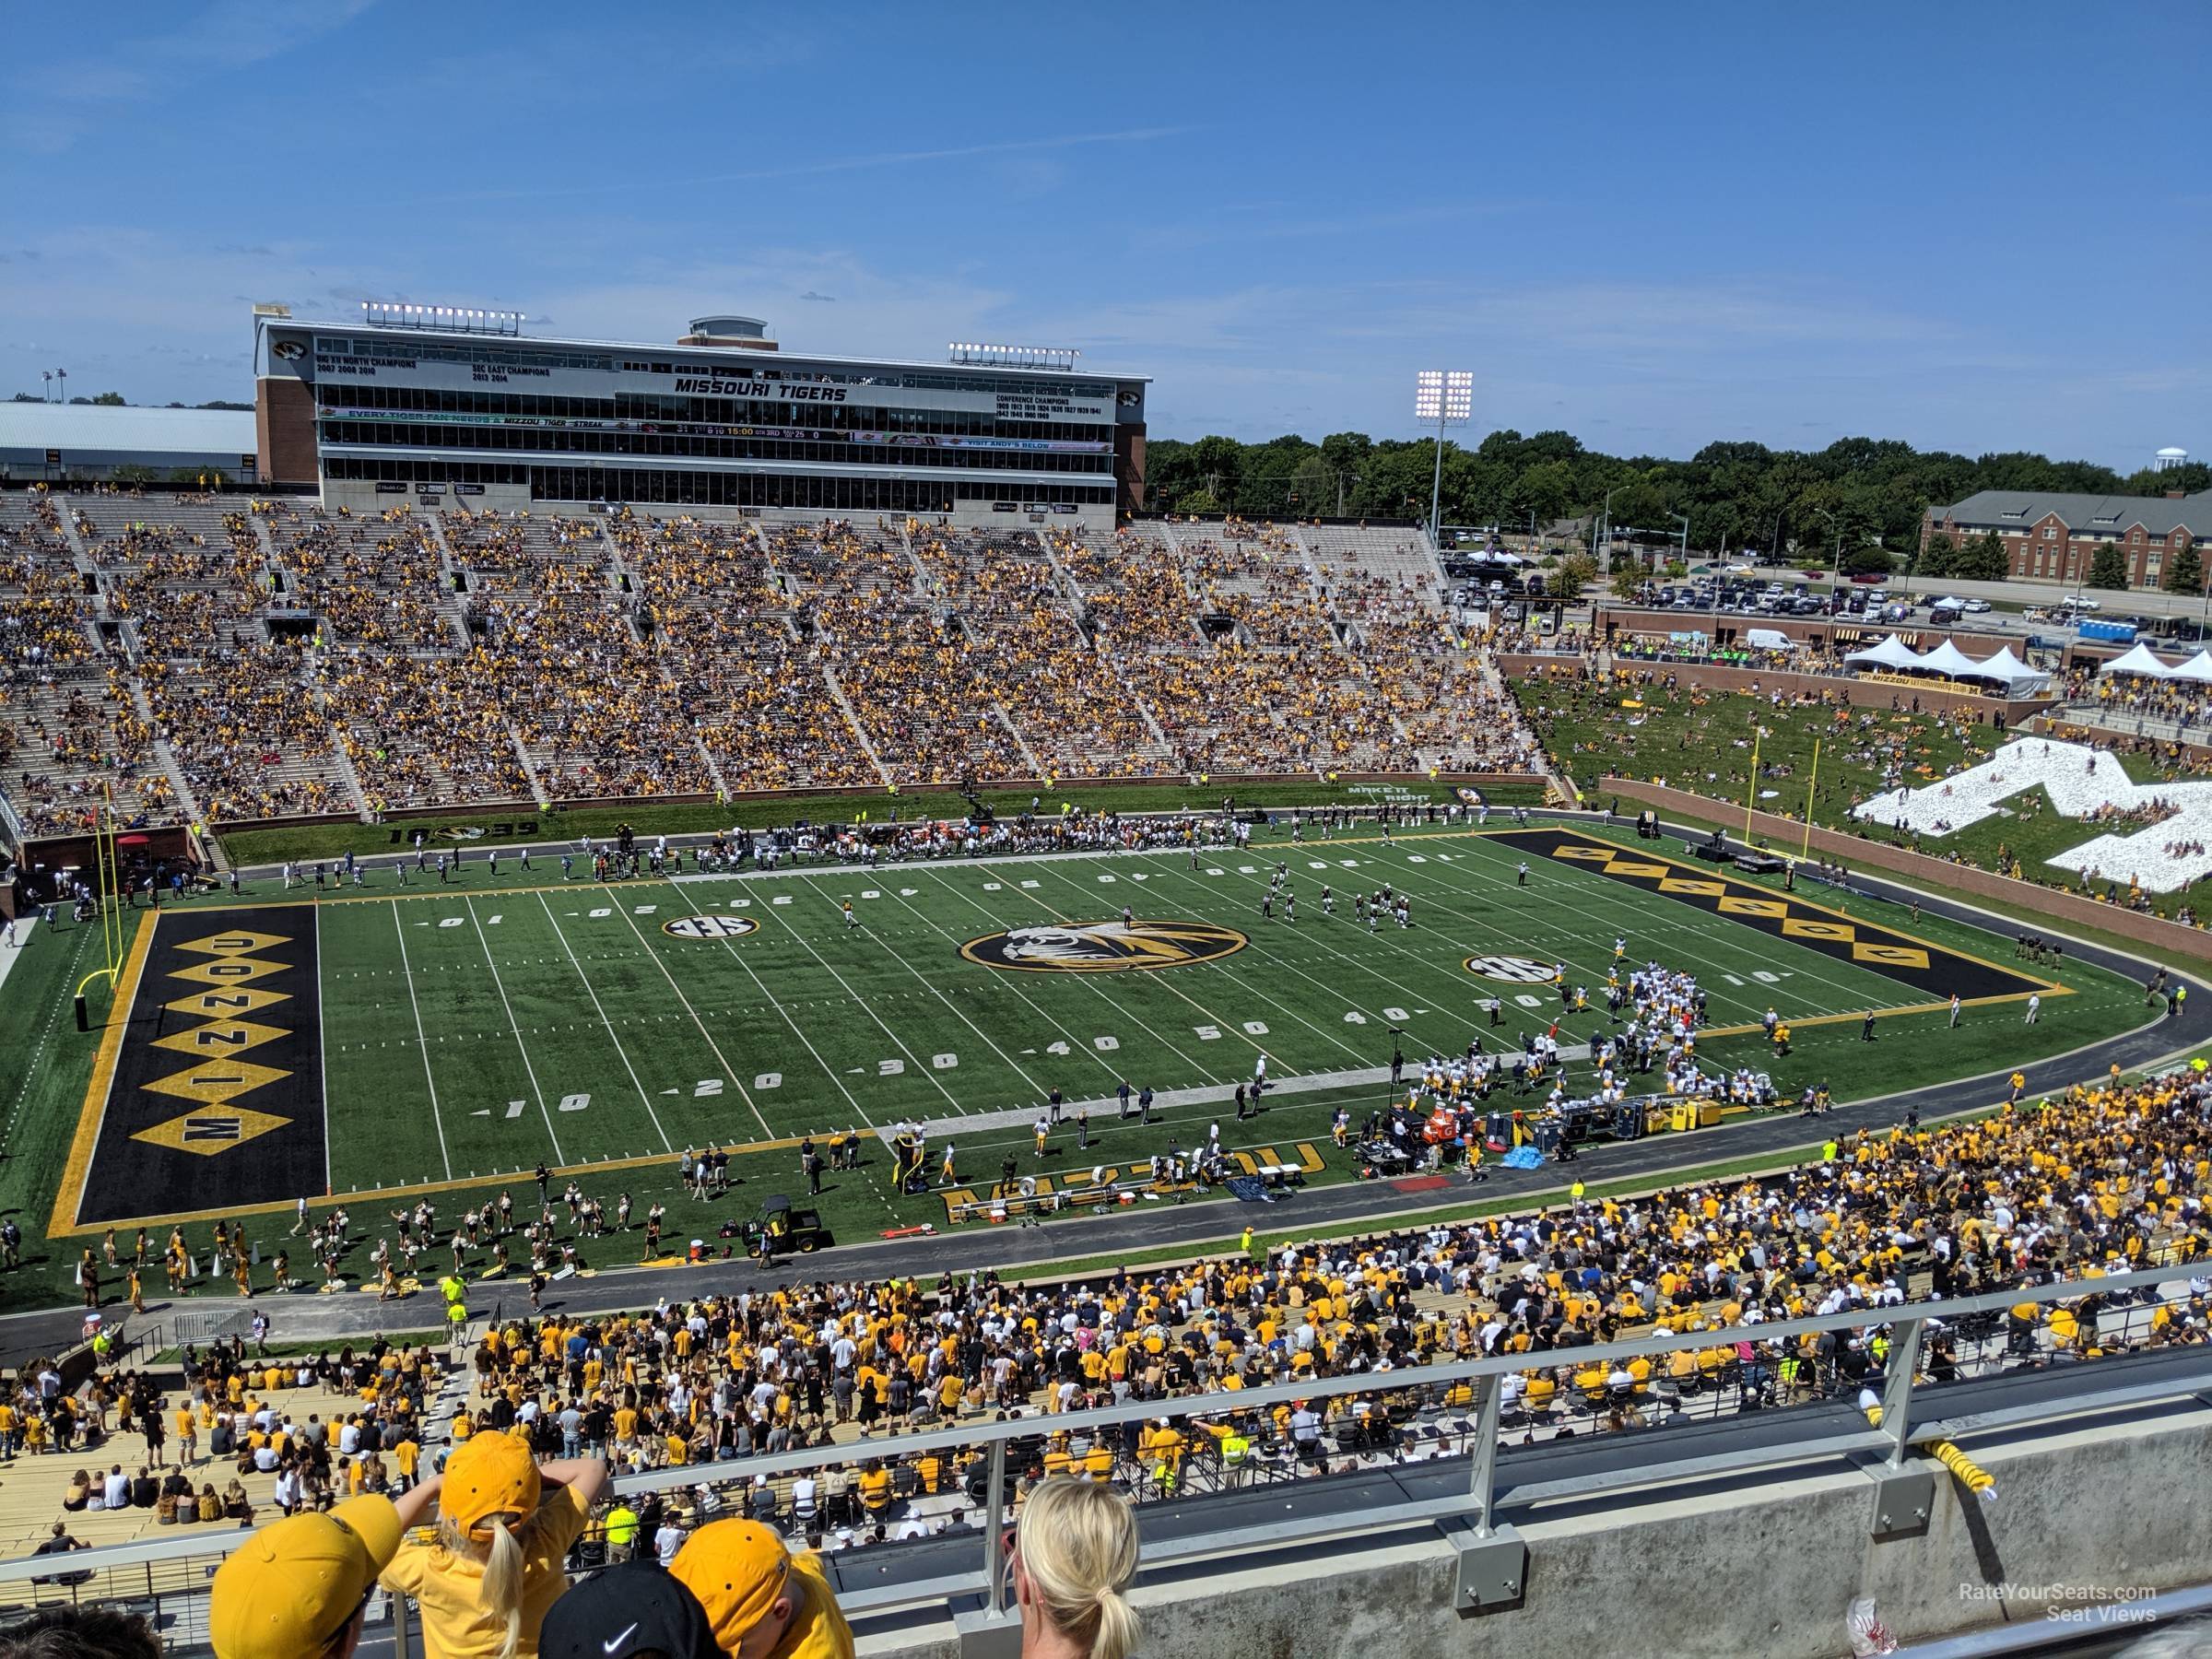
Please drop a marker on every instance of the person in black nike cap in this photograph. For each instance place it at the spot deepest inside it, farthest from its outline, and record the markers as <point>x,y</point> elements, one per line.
<point>638,1610</point>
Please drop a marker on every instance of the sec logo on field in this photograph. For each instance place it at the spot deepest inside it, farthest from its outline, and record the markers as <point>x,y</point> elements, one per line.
<point>1521,971</point>
<point>1104,947</point>
<point>709,928</point>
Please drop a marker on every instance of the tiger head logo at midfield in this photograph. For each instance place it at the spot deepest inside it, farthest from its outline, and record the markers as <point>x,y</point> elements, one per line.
<point>1104,947</point>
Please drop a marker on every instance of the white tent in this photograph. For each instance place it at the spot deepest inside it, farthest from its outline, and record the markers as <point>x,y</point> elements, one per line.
<point>1947,659</point>
<point>1892,653</point>
<point>2140,661</point>
<point>2011,672</point>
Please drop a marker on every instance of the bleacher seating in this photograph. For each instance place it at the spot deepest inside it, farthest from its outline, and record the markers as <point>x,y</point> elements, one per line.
<point>297,660</point>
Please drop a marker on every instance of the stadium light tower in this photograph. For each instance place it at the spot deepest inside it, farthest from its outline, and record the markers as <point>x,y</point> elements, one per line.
<point>1447,397</point>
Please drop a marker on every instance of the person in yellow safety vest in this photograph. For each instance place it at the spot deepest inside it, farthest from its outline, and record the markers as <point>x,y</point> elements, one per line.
<point>1163,1478</point>
<point>621,1531</point>
<point>1879,1348</point>
<point>453,1288</point>
<point>1827,1150</point>
<point>1235,1449</point>
<point>1245,1244</point>
<point>1788,1373</point>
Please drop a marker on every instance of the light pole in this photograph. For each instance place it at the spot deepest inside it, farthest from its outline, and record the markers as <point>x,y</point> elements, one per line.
<point>1835,539</point>
<point>1605,546</point>
<point>1683,519</point>
<point>1447,397</point>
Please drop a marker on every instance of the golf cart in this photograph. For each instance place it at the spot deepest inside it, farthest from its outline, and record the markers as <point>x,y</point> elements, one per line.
<point>782,1230</point>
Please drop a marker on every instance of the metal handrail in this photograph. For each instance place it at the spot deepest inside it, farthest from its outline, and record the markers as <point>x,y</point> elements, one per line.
<point>1897,1433</point>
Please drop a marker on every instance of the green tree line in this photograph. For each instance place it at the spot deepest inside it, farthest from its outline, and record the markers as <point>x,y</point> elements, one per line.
<point>1856,492</point>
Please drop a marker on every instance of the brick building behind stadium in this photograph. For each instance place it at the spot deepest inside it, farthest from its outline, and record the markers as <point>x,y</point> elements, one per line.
<point>2050,536</point>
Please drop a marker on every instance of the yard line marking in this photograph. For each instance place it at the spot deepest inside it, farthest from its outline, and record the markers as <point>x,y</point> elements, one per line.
<point>1710,932</point>
<point>1229,1027</point>
<point>422,1042</point>
<point>1456,976</point>
<point>954,1007</point>
<point>521,1047</point>
<point>323,1053</point>
<point>786,1014</point>
<point>1324,1033</point>
<point>610,1029</point>
<point>807,944</point>
<point>1089,980</point>
<point>736,1077</point>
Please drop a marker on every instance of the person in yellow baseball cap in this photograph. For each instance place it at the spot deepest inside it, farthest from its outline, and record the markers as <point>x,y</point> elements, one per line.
<point>764,1602</point>
<point>296,1589</point>
<point>505,1524</point>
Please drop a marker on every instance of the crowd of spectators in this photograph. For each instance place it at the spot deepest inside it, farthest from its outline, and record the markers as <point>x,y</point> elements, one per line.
<point>301,661</point>
<point>2137,699</point>
<point>2101,1178</point>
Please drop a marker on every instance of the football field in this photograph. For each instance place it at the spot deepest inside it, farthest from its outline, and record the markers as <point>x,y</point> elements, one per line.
<point>385,1038</point>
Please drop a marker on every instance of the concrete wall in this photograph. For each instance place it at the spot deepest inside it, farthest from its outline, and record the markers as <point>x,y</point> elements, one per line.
<point>1934,873</point>
<point>1766,1567</point>
<point>1720,676</point>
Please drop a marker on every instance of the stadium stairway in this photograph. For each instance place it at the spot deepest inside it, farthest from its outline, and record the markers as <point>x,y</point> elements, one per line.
<point>1062,580</point>
<point>852,720</point>
<point>1020,743</point>
<point>453,612</point>
<point>67,512</point>
<point>187,803</point>
<point>521,753</point>
<point>343,761</point>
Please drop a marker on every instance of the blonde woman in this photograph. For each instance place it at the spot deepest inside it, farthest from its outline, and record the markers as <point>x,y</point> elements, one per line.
<point>504,1526</point>
<point>1074,1554</point>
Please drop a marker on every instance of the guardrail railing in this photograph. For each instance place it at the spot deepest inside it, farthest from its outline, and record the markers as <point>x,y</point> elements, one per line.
<point>1457,1410</point>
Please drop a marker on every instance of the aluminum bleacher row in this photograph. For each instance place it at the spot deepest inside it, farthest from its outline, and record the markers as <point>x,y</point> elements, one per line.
<point>222,659</point>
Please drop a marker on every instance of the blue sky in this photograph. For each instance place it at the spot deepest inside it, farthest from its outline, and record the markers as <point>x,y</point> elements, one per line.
<point>1973,227</point>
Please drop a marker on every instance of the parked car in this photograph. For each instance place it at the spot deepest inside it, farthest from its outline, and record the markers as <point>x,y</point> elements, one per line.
<point>1975,605</point>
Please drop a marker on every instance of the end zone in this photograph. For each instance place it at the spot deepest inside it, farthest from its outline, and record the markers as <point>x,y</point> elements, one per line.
<point>207,1092</point>
<point>1936,971</point>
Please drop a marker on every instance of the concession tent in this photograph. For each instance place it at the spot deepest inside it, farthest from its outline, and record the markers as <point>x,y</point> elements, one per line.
<point>1892,653</point>
<point>2016,676</point>
<point>2198,668</point>
<point>2139,661</point>
<point>1949,660</point>
<point>2004,669</point>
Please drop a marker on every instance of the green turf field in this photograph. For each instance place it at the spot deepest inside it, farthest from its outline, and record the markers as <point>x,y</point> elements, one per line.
<point>453,1039</point>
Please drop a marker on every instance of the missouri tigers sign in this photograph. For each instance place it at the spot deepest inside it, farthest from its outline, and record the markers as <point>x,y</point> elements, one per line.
<point>1104,947</point>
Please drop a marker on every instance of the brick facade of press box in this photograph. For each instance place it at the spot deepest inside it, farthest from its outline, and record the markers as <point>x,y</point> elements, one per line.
<point>283,430</point>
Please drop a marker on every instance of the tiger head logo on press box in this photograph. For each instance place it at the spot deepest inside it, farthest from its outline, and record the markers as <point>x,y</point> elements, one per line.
<point>1104,947</point>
